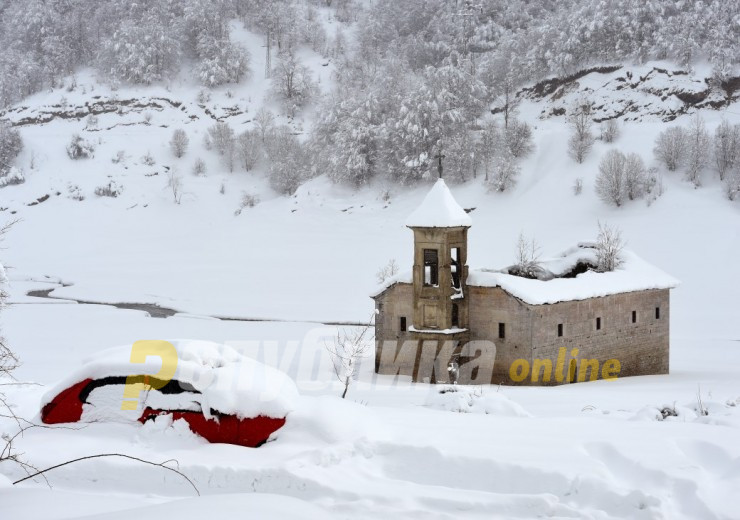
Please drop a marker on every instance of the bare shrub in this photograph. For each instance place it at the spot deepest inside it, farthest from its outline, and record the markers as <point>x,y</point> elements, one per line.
<point>249,200</point>
<point>387,271</point>
<point>120,157</point>
<point>174,184</point>
<point>75,193</point>
<point>199,167</point>
<point>578,186</point>
<point>108,190</point>
<point>148,159</point>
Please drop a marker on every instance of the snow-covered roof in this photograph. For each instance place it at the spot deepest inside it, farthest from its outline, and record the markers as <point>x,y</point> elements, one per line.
<point>227,380</point>
<point>439,209</point>
<point>402,277</point>
<point>634,274</point>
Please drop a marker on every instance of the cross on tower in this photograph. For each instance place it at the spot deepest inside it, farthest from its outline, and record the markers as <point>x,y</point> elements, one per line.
<point>440,156</point>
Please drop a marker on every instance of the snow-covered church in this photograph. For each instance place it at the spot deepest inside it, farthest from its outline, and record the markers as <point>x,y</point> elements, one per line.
<point>442,322</point>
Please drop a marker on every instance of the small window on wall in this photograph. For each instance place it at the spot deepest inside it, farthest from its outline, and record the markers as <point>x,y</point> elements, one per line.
<point>598,323</point>
<point>455,315</point>
<point>560,330</point>
<point>431,267</point>
<point>634,316</point>
<point>502,331</point>
<point>403,324</point>
<point>657,313</point>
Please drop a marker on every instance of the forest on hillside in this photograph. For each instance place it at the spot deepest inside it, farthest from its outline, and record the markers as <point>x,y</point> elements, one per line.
<point>413,78</point>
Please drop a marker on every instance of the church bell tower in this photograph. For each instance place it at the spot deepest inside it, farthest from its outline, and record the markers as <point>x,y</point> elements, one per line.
<point>440,272</point>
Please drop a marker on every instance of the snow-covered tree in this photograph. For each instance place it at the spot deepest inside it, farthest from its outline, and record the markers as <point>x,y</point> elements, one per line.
<point>505,172</point>
<point>220,61</point>
<point>140,52</point>
<point>11,145</point>
<point>289,164</point>
<point>79,148</point>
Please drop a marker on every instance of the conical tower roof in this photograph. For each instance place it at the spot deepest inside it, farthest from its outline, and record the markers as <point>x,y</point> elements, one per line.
<point>439,210</point>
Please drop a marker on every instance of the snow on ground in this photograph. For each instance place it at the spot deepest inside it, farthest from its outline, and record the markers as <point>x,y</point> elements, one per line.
<point>393,449</point>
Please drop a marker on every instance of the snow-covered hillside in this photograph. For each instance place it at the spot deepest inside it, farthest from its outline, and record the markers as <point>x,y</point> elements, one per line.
<point>274,278</point>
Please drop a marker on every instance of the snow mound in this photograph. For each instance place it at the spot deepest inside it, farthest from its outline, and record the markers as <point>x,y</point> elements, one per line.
<point>634,274</point>
<point>218,376</point>
<point>439,209</point>
<point>467,399</point>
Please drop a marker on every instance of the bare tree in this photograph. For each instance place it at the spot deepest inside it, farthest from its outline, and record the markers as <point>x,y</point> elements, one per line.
<point>292,82</point>
<point>610,180</point>
<point>347,350</point>
<point>670,147</point>
<point>581,140</point>
<point>518,136</point>
<point>527,258</point>
<point>174,183</point>
<point>634,176</point>
<point>387,271</point>
<point>488,145</point>
<point>609,246</point>
<point>609,130</point>
<point>698,150</point>
<point>248,149</point>
<point>726,148</point>
<point>222,137</point>
<point>264,122</point>
<point>732,184</point>
<point>179,142</point>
